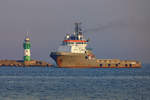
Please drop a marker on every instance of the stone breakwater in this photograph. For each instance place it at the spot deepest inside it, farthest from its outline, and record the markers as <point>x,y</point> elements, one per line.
<point>20,63</point>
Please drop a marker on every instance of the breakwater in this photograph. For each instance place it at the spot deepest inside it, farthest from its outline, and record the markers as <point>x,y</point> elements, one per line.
<point>21,63</point>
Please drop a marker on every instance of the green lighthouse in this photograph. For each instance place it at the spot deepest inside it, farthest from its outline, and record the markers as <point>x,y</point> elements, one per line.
<point>27,46</point>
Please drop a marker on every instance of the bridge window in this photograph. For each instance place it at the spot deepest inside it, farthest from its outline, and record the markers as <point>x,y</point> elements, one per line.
<point>109,65</point>
<point>130,65</point>
<point>126,65</point>
<point>78,42</point>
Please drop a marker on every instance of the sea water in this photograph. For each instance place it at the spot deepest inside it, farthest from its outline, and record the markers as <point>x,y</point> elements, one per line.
<point>51,83</point>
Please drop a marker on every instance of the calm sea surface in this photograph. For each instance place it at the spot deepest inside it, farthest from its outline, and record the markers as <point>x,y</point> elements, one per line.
<point>37,83</point>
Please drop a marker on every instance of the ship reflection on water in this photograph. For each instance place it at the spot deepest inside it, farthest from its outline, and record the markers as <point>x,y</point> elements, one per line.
<point>36,83</point>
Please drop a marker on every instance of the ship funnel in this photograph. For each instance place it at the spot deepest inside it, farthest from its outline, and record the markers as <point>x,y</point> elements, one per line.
<point>78,28</point>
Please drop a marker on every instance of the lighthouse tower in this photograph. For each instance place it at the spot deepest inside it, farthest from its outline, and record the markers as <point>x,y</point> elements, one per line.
<point>27,46</point>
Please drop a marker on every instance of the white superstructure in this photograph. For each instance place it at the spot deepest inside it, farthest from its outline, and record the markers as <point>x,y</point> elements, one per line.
<point>74,43</point>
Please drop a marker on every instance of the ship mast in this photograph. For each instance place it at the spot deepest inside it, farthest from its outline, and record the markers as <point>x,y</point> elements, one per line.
<point>78,28</point>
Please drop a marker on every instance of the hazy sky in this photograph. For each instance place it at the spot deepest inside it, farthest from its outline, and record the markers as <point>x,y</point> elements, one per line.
<point>116,28</point>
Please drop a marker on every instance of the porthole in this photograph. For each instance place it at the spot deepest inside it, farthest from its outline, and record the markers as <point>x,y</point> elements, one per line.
<point>101,65</point>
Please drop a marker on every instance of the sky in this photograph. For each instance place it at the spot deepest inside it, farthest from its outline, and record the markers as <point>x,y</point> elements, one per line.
<point>116,28</point>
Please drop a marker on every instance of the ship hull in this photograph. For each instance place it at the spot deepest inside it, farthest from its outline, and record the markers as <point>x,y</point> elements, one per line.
<point>76,60</point>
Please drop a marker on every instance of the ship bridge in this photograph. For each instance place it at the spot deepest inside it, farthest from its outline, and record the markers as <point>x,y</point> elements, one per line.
<point>74,43</point>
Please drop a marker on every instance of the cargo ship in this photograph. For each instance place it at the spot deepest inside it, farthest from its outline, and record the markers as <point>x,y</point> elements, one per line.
<point>73,53</point>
